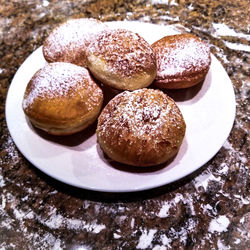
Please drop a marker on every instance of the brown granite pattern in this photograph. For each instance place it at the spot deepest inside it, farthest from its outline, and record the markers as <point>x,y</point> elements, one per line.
<point>207,210</point>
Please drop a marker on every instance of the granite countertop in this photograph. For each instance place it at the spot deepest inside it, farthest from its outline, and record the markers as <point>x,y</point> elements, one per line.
<point>208,209</point>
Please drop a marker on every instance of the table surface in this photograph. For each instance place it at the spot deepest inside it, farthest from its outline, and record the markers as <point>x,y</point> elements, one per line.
<point>207,210</point>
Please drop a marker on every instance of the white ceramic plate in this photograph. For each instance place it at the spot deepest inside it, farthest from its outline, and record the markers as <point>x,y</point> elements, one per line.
<point>208,109</point>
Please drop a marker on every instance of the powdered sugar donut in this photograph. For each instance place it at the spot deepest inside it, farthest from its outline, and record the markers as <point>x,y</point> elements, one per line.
<point>122,59</point>
<point>62,98</point>
<point>141,128</point>
<point>182,61</point>
<point>68,41</point>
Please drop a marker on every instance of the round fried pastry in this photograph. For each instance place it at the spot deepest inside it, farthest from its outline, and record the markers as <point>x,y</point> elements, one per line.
<point>62,99</point>
<point>183,60</point>
<point>122,60</point>
<point>141,128</point>
<point>68,42</point>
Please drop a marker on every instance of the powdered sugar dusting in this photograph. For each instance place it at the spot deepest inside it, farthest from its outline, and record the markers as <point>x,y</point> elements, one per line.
<point>219,224</point>
<point>69,41</point>
<point>53,220</point>
<point>57,80</point>
<point>56,221</point>
<point>142,122</point>
<point>167,205</point>
<point>179,55</point>
<point>146,239</point>
<point>124,52</point>
<point>143,111</point>
<point>204,179</point>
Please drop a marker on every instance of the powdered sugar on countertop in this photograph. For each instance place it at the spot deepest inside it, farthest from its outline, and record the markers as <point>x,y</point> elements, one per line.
<point>219,224</point>
<point>152,223</point>
<point>146,238</point>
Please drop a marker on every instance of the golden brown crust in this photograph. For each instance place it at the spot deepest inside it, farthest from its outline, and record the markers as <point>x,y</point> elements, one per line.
<point>141,128</point>
<point>122,59</point>
<point>62,98</point>
<point>68,42</point>
<point>182,61</point>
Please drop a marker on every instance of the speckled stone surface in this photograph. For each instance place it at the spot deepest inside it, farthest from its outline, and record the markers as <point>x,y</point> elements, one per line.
<point>206,210</point>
